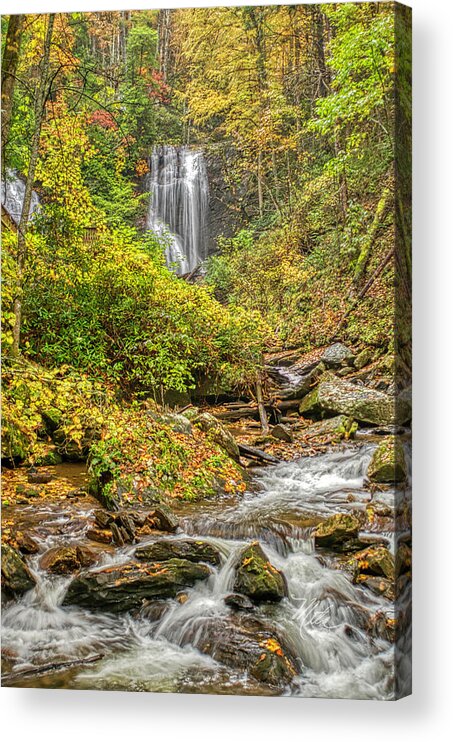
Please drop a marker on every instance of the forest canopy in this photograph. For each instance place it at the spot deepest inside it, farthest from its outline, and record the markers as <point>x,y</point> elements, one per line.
<point>294,107</point>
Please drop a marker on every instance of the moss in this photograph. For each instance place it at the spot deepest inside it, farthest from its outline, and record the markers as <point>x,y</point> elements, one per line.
<point>388,465</point>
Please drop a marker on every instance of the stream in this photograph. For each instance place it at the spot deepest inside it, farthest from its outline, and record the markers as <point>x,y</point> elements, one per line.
<point>322,619</point>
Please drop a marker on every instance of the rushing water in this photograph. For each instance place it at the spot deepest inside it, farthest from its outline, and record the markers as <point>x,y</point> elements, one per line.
<point>323,618</point>
<point>13,193</point>
<point>179,205</point>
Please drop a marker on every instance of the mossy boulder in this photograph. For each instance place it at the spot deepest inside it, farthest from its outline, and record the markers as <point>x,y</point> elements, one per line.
<point>218,433</point>
<point>363,358</point>
<point>388,464</point>
<point>335,396</point>
<point>337,355</point>
<point>177,423</point>
<point>257,578</point>
<point>248,644</point>
<point>16,576</point>
<point>191,549</point>
<point>375,560</point>
<point>339,532</point>
<point>64,560</point>
<point>125,586</point>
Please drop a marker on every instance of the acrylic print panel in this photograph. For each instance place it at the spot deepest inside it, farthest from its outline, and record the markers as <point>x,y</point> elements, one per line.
<point>206,350</point>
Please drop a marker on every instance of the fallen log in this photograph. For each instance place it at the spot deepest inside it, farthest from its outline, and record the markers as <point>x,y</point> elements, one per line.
<point>44,669</point>
<point>288,404</point>
<point>256,453</point>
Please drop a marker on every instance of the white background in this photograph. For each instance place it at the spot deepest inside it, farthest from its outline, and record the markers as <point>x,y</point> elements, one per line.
<point>37,715</point>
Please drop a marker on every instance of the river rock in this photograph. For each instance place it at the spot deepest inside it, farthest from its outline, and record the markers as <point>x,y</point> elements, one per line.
<point>340,531</point>
<point>282,433</point>
<point>363,358</point>
<point>376,560</point>
<point>257,578</point>
<point>194,551</point>
<point>248,645</point>
<point>123,587</point>
<point>218,433</point>
<point>178,423</point>
<point>100,535</point>
<point>403,559</point>
<point>337,355</point>
<point>304,383</point>
<point>238,602</point>
<point>64,560</point>
<point>26,543</point>
<point>162,518</point>
<point>388,464</point>
<point>339,397</point>
<point>16,576</point>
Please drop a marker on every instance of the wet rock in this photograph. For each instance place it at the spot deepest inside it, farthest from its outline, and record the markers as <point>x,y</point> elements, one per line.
<point>163,518</point>
<point>376,560</point>
<point>335,396</point>
<point>337,355</point>
<point>194,551</point>
<point>126,525</point>
<point>340,531</point>
<point>257,578</point>
<point>39,477</point>
<point>378,585</point>
<point>303,385</point>
<point>218,433</point>
<point>363,358</point>
<point>153,610</point>
<point>123,587</point>
<point>100,535</point>
<point>239,602</point>
<point>16,576</point>
<point>282,433</point>
<point>64,560</point>
<point>26,543</point>
<point>388,464</point>
<point>403,559</point>
<point>249,645</point>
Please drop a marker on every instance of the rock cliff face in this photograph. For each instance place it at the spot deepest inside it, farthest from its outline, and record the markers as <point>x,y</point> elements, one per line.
<point>228,199</point>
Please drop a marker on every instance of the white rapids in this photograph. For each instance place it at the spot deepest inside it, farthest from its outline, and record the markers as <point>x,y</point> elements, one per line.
<point>323,618</point>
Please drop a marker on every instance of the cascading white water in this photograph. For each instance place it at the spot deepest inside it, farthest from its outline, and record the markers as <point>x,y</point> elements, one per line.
<point>13,193</point>
<point>179,205</point>
<point>323,618</point>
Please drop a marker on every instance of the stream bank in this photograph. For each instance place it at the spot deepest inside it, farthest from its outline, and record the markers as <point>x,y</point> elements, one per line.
<point>144,599</point>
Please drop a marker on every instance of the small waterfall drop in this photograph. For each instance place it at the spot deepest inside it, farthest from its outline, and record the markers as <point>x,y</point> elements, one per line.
<point>179,205</point>
<point>13,193</point>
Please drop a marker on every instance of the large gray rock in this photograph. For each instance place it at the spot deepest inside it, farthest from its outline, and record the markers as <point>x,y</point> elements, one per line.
<point>257,578</point>
<point>338,397</point>
<point>125,586</point>
<point>337,355</point>
<point>191,549</point>
<point>249,645</point>
<point>16,576</point>
<point>218,433</point>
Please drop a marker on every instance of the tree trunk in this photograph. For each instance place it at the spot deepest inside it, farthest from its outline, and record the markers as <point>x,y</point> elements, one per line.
<point>163,41</point>
<point>261,408</point>
<point>40,101</point>
<point>9,65</point>
<point>381,211</point>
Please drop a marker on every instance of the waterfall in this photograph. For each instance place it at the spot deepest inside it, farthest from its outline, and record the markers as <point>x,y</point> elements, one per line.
<point>13,193</point>
<point>179,205</point>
